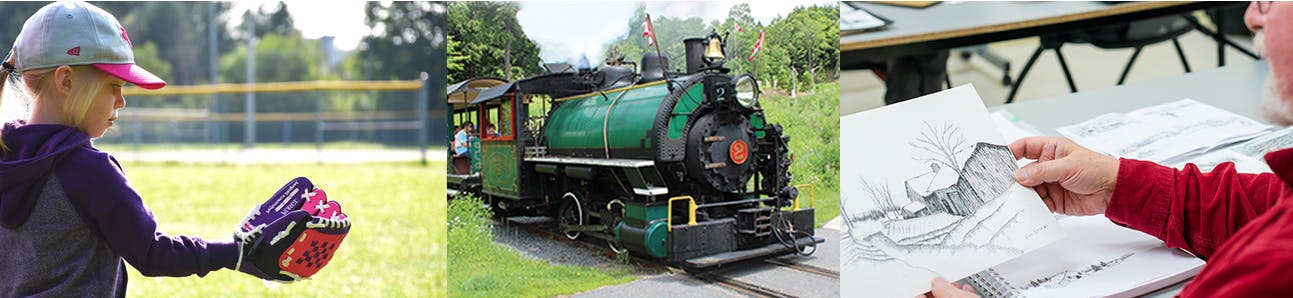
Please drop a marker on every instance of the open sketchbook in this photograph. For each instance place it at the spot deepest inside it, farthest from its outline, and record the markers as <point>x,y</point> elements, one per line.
<point>1249,156</point>
<point>1168,133</point>
<point>928,190</point>
<point>1098,259</point>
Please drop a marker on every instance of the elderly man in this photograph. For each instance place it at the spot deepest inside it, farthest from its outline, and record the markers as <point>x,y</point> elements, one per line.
<point>1242,224</point>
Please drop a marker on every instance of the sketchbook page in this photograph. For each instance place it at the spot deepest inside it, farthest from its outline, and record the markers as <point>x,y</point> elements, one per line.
<point>1098,259</point>
<point>1243,163</point>
<point>1197,126</point>
<point>1110,133</point>
<point>1166,133</point>
<point>928,190</point>
<point>1249,156</point>
<point>1270,142</point>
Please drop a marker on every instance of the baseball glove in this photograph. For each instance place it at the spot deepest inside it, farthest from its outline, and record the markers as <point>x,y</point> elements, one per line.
<point>292,235</point>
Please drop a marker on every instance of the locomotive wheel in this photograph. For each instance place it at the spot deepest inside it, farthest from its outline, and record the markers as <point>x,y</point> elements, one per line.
<point>572,213</point>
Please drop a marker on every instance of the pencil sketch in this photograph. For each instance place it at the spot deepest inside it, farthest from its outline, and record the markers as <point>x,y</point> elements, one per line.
<point>933,194</point>
<point>1102,125</point>
<point>955,204</point>
<point>1063,279</point>
<point>1259,146</point>
<point>1144,148</point>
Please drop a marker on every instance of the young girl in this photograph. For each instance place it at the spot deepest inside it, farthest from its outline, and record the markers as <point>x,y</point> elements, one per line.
<point>68,217</point>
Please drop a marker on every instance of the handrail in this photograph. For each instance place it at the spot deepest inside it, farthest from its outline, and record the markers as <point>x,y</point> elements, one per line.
<point>812,194</point>
<point>691,218</point>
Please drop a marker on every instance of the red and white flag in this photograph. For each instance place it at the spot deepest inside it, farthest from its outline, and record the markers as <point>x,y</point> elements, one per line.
<point>757,45</point>
<point>649,33</point>
<point>738,27</point>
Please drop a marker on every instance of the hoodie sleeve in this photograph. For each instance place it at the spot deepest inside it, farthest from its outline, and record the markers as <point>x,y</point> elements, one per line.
<point>98,190</point>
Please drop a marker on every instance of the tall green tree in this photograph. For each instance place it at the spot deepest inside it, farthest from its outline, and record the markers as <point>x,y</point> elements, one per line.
<point>405,35</point>
<point>490,36</point>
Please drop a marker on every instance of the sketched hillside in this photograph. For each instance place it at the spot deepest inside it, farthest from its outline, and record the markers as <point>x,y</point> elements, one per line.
<point>984,176</point>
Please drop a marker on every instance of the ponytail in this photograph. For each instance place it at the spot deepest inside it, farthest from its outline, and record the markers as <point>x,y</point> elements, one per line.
<point>6,68</point>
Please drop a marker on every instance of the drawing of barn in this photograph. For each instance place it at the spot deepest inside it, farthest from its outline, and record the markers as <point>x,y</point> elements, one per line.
<point>985,176</point>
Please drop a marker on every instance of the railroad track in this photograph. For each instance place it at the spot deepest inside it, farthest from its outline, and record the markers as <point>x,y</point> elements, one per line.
<point>710,276</point>
<point>805,268</point>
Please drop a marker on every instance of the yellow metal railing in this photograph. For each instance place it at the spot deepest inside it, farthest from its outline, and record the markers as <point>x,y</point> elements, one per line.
<point>407,85</point>
<point>812,194</point>
<point>691,218</point>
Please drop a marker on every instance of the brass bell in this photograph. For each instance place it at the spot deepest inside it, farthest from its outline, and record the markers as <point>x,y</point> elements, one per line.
<point>715,49</point>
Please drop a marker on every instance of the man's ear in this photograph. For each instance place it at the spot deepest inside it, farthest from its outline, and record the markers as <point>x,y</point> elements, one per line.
<point>63,80</point>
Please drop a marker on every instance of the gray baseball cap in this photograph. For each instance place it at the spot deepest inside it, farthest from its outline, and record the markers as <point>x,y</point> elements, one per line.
<point>78,33</point>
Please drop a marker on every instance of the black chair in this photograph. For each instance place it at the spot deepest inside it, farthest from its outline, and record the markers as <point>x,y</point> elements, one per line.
<point>1135,35</point>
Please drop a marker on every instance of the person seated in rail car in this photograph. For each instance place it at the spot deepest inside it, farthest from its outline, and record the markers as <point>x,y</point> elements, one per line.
<point>461,143</point>
<point>491,131</point>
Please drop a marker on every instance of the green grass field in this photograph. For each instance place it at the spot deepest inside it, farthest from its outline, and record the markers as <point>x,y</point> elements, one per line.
<point>484,269</point>
<point>396,247</point>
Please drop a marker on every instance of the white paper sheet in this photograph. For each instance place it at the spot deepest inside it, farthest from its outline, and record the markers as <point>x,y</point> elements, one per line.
<point>928,190</point>
<point>1166,133</point>
<point>1012,128</point>
<point>1098,259</point>
<point>852,19</point>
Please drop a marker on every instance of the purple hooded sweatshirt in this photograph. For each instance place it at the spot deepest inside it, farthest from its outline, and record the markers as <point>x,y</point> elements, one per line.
<point>68,218</point>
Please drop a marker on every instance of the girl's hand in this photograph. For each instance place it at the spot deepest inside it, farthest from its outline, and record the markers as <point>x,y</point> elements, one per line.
<point>940,288</point>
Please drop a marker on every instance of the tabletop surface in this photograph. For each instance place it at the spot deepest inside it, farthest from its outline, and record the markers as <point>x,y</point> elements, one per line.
<point>959,19</point>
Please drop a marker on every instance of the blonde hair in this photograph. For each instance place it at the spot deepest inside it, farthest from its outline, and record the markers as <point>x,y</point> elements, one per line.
<point>89,81</point>
<point>4,79</point>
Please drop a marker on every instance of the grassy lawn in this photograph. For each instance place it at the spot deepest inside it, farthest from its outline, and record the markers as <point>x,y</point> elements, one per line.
<point>122,146</point>
<point>484,269</point>
<point>396,247</point>
<point>812,121</point>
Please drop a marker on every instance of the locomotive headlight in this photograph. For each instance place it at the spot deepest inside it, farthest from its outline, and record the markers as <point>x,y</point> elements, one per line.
<point>747,91</point>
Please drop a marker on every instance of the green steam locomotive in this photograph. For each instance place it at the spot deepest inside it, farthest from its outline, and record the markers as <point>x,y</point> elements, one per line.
<point>681,167</point>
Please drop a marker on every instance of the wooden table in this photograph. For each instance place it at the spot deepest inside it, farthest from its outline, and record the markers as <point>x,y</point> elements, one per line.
<point>952,25</point>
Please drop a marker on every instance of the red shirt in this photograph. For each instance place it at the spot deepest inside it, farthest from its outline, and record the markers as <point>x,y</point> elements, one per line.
<point>1241,224</point>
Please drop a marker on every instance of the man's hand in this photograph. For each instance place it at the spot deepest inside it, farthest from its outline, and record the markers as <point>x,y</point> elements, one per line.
<point>1071,179</point>
<point>940,288</point>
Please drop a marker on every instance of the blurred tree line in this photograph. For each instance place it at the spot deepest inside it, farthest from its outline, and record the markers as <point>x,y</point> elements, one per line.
<point>172,39</point>
<point>799,49</point>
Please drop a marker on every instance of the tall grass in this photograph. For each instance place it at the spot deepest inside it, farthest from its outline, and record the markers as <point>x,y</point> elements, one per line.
<point>812,120</point>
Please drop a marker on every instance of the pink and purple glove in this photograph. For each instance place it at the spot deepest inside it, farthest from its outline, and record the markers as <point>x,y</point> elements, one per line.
<point>292,235</point>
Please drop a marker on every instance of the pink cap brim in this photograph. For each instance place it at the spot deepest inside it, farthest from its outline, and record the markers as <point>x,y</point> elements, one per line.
<point>133,74</point>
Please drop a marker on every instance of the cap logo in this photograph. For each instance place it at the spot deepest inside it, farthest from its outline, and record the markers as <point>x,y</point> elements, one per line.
<point>75,51</point>
<point>127,37</point>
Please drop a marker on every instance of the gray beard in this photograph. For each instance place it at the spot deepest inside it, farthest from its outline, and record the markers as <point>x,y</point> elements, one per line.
<point>1274,107</point>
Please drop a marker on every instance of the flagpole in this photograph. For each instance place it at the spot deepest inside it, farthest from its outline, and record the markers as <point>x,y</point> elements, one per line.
<point>758,48</point>
<point>659,57</point>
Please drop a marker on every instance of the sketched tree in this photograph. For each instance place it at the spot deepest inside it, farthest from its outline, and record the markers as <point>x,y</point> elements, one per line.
<point>880,194</point>
<point>943,144</point>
